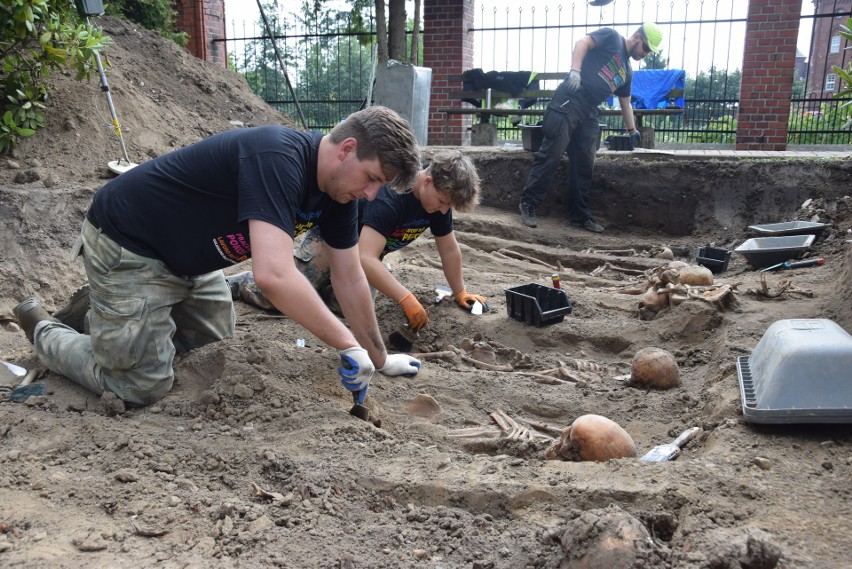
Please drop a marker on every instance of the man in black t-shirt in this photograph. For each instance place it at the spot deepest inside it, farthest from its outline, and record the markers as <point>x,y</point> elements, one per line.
<point>389,223</point>
<point>155,239</point>
<point>600,67</point>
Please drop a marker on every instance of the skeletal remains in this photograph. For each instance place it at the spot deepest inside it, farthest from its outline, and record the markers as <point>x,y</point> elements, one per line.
<point>677,282</point>
<point>588,438</point>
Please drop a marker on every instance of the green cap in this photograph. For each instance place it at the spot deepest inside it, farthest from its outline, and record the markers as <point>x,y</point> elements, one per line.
<point>653,34</point>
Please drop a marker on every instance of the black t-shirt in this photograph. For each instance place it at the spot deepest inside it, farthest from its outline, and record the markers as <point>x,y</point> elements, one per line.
<point>190,208</point>
<point>606,69</point>
<point>400,219</point>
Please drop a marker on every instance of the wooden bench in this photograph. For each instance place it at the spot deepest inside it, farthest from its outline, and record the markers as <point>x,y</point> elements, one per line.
<point>543,96</point>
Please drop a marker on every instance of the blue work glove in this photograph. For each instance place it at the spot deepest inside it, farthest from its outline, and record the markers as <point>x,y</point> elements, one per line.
<point>635,138</point>
<point>355,369</point>
<point>401,364</point>
<point>573,80</point>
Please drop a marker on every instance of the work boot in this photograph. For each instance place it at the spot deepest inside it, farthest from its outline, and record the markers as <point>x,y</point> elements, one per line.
<point>589,225</point>
<point>528,214</point>
<point>29,313</point>
<point>73,313</point>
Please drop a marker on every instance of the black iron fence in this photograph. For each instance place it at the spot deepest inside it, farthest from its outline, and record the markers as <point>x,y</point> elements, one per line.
<point>329,67</point>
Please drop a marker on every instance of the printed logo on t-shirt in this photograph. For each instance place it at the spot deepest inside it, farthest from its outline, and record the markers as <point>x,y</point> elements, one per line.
<point>234,248</point>
<point>402,236</point>
<point>614,72</point>
<point>305,220</point>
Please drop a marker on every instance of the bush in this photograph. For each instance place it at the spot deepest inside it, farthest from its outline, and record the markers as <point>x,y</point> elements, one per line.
<point>156,15</point>
<point>37,37</point>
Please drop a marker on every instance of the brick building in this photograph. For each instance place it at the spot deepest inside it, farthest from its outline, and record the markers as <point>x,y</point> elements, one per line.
<point>204,21</point>
<point>827,47</point>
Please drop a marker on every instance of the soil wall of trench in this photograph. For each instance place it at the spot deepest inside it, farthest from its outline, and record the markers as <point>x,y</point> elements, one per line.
<point>674,196</point>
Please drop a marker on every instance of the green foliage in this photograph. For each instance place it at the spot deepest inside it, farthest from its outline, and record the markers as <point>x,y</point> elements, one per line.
<point>845,75</point>
<point>156,15</point>
<point>826,125</point>
<point>721,130</point>
<point>37,37</point>
<point>655,61</point>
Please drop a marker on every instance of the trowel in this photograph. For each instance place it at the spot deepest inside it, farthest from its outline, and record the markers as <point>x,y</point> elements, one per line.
<point>404,337</point>
<point>670,451</point>
<point>25,389</point>
<point>362,411</point>
<point>358,408</point>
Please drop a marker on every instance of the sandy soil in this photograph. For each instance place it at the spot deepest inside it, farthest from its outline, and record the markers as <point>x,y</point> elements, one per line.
<point>254,460</point>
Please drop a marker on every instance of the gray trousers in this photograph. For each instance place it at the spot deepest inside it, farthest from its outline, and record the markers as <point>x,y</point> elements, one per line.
<point>577,130</point>
<point>141,314</point>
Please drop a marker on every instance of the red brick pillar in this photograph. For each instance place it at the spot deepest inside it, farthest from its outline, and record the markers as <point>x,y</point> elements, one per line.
<point>204,21</point>
<point>769,61</point>
<point>448,50</point>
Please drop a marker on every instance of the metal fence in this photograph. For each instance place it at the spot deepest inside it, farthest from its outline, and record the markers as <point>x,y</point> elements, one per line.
<point>317,58</point>
<point>329,67</point>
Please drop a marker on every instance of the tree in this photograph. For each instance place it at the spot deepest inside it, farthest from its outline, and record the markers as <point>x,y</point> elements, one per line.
<point>391,35</point>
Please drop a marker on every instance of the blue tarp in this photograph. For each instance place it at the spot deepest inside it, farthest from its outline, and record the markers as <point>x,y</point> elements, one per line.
<point>650,87</point>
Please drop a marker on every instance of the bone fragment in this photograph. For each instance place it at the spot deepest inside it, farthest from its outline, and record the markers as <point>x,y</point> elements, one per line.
<point>482,365</point>
<point>475,432</point>
<point>443,355</point>
<point>522,257</point>
<point>613,252</point>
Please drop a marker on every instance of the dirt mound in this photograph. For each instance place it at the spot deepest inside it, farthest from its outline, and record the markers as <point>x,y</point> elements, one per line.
<point>164,97</point>
<point>254,460</point>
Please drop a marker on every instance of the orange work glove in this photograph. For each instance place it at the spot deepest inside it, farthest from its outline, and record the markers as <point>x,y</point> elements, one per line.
<point>466,300</point>
<point>414,311</point>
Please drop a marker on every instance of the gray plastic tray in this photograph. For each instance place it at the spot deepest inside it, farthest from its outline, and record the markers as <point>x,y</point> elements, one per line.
<point>790,228</point>
<point>799,372</point>
<point>761,252</point>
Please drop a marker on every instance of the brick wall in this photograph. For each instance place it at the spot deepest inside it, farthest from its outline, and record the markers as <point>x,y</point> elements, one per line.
<point>769,61</point>
<point>448,50</point>
<point>204,21</point>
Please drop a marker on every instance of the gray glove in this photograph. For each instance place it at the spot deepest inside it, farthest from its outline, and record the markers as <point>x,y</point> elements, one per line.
<point>400,364</point>
<point>635,138</point>
<point>573,80</point>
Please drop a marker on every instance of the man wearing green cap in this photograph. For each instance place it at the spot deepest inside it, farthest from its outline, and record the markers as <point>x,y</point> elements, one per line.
<point>600,67</point>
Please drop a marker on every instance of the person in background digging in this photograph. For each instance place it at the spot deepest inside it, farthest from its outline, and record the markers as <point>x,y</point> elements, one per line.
<point>155,239</point>
<point>600,67</point>
<point>389,223</point>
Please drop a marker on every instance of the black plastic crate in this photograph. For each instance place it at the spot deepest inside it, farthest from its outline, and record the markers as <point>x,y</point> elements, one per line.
<point>531,136</point>
<point>536,304</point>
<point>714,259</point>
<point>619,142</point>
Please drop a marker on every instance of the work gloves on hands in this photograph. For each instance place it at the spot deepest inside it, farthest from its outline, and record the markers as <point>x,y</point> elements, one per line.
<point>573,80</point>
<point>356,369</point>
<point>414,312</point>
<point>400,364</point>
<point>466,300</point>
<point>635,138</point>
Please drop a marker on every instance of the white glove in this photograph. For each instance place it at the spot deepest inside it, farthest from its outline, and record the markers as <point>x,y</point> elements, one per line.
<point>355,369</point>
<point>573,80</point>
<point>400,364</point>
